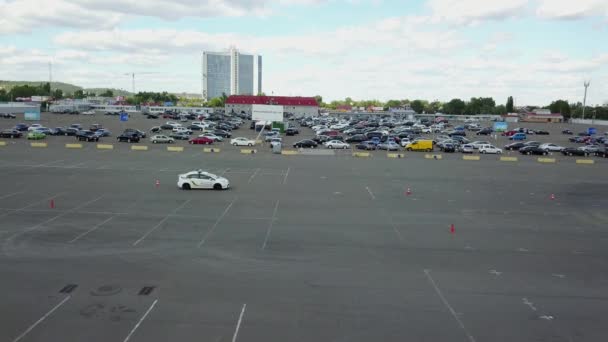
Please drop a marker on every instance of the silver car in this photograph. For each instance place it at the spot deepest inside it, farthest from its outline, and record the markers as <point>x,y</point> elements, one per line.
<point>161,139</point>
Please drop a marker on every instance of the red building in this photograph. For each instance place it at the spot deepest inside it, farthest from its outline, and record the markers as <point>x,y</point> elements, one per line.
<point>295,105</point>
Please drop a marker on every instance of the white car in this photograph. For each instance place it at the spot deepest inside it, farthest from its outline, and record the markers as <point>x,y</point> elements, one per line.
<point>551,147</point>
<point>88,112</point>
<point>426,130</point>
<point>181,130</point>
<point>240,141</point>
<point>34,127</point>
<point>173,124</point>
<point>212,136</point>
<point>405,141</point>
<point>338,126</point>
<point>489,149</point>
<point>478,144</point>
<point>156,139</point>
<point>275,141</point>
<point>337,144</point>
<point>201,180</point>
<point>203,124</point>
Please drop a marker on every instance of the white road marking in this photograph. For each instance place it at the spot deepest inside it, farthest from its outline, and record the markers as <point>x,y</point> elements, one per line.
<point>495,272</point>
<point>548,318</point>
<point>31,327</point>
<point>529,304</point>
<point>447,305</point>
<point>13,194</point>
<point>558,275</point>
<point>274,216</point>
<point>286,175</point>
<point>370,193</point>
<point>253,175</point>
<point>140,320</point>
<point>76,165</point>
<point>49,163</point>
<point>238,324</point>
<point>160,223</point>
<point>95,227</point>
<point>210,231</point>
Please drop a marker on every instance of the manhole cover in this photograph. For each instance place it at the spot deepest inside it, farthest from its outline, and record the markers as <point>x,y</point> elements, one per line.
<point>106,290</point>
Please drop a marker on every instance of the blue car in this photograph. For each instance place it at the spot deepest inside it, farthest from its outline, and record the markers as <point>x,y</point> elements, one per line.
<point>518,136</point>
<point>102,132</point>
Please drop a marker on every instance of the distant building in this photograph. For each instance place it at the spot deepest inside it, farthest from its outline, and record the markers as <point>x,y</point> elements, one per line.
<point>231,73</point>
<point>298,106</point>
<point>540,115</point>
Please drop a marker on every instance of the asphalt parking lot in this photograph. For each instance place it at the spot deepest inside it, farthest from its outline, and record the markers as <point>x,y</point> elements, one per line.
<point>301,248</point>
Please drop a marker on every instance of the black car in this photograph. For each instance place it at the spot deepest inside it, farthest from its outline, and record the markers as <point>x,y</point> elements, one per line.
<point>291,131</point>
<point>151,116</point>
<point>356,138</point>
<point>10,133</point>
<point>224,127</point>
<point>180,136</point>
<point>371,135</point>
<point>21,127</point>
<point>514,146</point>
<point>366,145</point>
<point>541,132</point>
<point>574,151</point>
<point>221,133</point>
<point>87,136</point>
<point>533,150</point>
<point>449,148</point>
<point>95,127</point>
<point>461,133</point>
<point>165,126</point>
<point>485,131</point>
<point>155,129</point>
<point>319,139</point>
<point>305,144</point>
<point>195,128</point>
<point>141,134</point>
<point>70,131</point>
<point>9,116</point>
<point>128,137</point>
<point>602,153</point>
<point>567,131</point>
<point>532,143</point>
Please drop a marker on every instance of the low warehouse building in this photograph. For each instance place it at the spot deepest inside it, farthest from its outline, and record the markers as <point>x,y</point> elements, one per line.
<point>298,106</point>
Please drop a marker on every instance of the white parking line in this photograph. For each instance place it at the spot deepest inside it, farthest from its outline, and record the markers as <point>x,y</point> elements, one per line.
<point>31,205</point>
<point>274,216</point>
<point>238,324</point>
<point>31,327</point>
<point>140,321</point>
<point>286,175</point>
<point>13,194</point>
<point>32,228</point>
<point>76,165</point>
<point>160,223</point>
<point>95,227</point>
<point>49,163</point>
<point>210,231</point>
<point>447,305</point>
<point>370,193</point>
<point>253,175</point>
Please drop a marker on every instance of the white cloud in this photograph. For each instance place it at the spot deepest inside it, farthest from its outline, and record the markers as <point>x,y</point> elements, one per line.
<point>568,9</point>
<point>475,11</point>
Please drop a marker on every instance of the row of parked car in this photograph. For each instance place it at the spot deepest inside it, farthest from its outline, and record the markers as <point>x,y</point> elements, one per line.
<point>38,132</point>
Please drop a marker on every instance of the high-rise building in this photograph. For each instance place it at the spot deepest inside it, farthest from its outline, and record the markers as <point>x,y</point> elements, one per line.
<point>230,73</point>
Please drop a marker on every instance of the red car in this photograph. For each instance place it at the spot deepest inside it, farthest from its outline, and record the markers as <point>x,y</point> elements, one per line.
<point>201,140</point>
<point>509,133</point>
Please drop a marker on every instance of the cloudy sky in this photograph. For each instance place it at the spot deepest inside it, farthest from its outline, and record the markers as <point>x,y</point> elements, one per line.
<point>535,50</point>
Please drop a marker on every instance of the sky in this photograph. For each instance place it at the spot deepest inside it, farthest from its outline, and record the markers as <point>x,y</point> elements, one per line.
<point>534,50</point>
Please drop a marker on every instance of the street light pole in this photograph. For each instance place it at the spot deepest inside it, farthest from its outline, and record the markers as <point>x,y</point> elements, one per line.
<point>586,84</point>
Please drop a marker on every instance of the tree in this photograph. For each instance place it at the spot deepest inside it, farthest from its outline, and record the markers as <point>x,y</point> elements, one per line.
<point>319,100</point>
<point>392,104</point>
<point>500,110</point>
<point>509,106</point>
<point>79,94</point>
<point>433,107</point>
<point>560,106</point>
<point>417,106</point>
<point>215,102</point>
<point>455,106</point>
<point>107,93</point>
<point>57,94</point>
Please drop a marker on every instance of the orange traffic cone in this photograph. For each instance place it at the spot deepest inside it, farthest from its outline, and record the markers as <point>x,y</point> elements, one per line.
<point>452,229</point>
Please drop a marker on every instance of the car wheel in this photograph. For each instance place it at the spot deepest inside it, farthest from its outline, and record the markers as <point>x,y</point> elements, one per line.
<point>528,153</point>
<point>545,153</point>
<point>186,186</point>
<point>330,147</point>
<point>128,140</point>
<point>235,144</point>
<point>586,154</point>
<point>570,154</point>
<point>483,152</point>
<point>217,187</point>
<point>344,147</point>
<point>249,145</point>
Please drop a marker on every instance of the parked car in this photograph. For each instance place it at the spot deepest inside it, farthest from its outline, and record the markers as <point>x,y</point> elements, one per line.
<point>589,149</point>
<point>366,145</point>
<point>485,131</point>
<point>467,148</point>
<point>180,136</point>
<point>356,138</point>
<point>9,116</point>
<point>21,127</point>
<point>518,136</point>
<point>541,132</point>
<point>291,131</point>
<point>35,135</point>
<point>215,138</point>
<point>551,147</point>
<point>128,137</point>
<point>141,134</point>
<point>151,116</point>
<point>477,144</point>
<point>161,139</point>
<point>10,133</point>
<point>449,148</point>
<point>602,153</point>
<point>33,127</point>
<point>514,146</point>
<point>490,149</point>
<point>336,144</point>
<point>103,132</point>
<point>155,129</point>
<point>307,143</point>
<point>567,131</point>
<point>95,127</point>
<point>195,127</point>
<point>87,136</point>
<point>533,150</point>
<point>166,126</point>
<point>200,140</point>
<point>222,133</point>
<point>574,151</point>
